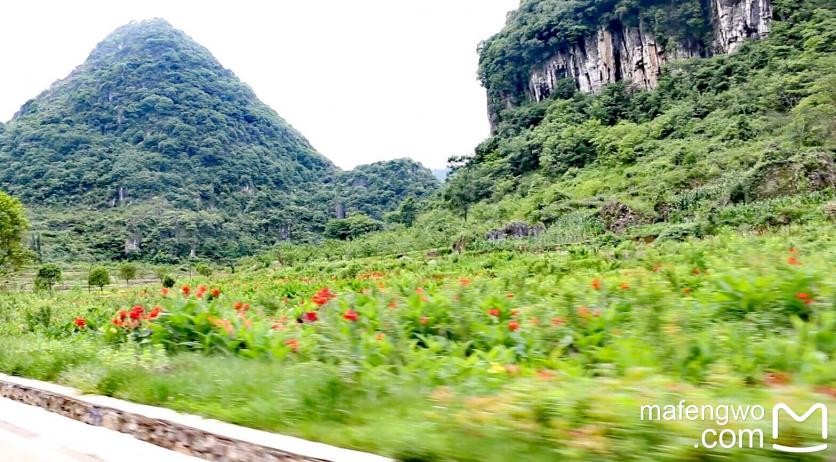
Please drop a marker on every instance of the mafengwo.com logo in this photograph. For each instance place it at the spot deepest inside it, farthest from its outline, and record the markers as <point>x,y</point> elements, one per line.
<point>741,436</point>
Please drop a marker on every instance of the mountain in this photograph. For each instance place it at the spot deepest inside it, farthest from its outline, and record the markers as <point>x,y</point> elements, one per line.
<point>151,149</point>
<point>742,133</point>
<point>377,188</point>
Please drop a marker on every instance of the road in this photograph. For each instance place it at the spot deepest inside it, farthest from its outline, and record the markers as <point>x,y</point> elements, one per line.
<point>32,434</point>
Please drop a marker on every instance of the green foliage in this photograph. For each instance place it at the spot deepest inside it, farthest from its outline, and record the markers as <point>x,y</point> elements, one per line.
<point>470,347</point>
<point>354,226</point>
<point>381,187</point>
<point>128,272</point>
<point>168,281</point>
<point>13,226</point>
<point>203,269</point>
<point>153,142</point>
<point>47,276</point>
<point>98,277</point>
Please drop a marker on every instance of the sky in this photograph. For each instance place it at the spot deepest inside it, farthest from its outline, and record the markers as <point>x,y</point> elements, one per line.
<point>363,80</point>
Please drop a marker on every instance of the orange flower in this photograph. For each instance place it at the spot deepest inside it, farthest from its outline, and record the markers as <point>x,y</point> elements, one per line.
<point>164,292</point>
<point>686,291</point>
<point>596,284</point>
<point>293,344</point>
<point>624,286</point>
<point>558,321</point>
<point>464,282</point>
<point>534,321</point>
<point>804,297</point>
<point>515,312</point>
<point>154,313</point>
<point>793,250</point>
<point>583,311</point>
<point>350,315</point>
<point>392,304</point>
<point>513,325</point>
<point>186,290</point>
<point>380,336</point>
<point>509,295</point>
<point>215,293</point>
<point>793,261</point>
<point>424,320</point>
<point>493,312</point>
<point>696,271</point>
<point>201,291</point>
<point>323,296</point>
<point>545,374</point>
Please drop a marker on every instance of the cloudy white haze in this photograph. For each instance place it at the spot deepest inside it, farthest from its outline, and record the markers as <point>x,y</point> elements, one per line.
<point>363,80</point>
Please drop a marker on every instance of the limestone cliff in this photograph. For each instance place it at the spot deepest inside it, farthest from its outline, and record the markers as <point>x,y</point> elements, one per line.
<point>629,52</point>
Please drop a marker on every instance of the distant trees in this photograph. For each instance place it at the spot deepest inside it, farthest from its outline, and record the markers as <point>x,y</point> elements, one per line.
<point>98,277</point>
<point>48,275</point>
<point>352,227</point>
<point>128,272</point>
<point>13,226</point>
<point>203,269</point>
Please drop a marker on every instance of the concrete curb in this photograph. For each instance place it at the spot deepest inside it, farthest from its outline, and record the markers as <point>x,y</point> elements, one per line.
<point>184,433</point>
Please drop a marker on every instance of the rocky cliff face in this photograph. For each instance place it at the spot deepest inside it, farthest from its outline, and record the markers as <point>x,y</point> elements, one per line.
<point>631,53</point>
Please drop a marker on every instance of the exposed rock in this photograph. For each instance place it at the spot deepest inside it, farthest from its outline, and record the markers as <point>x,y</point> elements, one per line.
<point>630,53</point>
<point>830,210</point>
<point>617,217</point>
<point>515,230</point>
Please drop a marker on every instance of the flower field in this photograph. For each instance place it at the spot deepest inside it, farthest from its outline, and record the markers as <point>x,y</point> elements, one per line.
<point>481,356</point>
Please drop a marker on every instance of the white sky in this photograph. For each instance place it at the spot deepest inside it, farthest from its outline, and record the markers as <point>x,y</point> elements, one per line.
<point>363,80</point>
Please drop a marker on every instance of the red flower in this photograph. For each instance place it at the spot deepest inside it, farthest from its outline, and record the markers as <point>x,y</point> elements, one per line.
<point>123,314</point>
<point>513,325</point>
<point>136,312</point>
<point>186,290</point>
<point>493,312</point>
<point>215,293</point>
<point>81,323</point>
<point>117,322</point>
<point>596,284</point>
<point>311,316</point>
<point>155,312</point>
<point>201,290</point>
<point>804,297</point>
<point>293,344</point>
<point>350,315</point>
<point>393,304</point>
<point>323,296</point>
<point>793,261</point>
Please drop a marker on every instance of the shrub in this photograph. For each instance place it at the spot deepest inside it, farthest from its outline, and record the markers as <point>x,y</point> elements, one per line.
<point>98,277</point>
<point>48,275</point>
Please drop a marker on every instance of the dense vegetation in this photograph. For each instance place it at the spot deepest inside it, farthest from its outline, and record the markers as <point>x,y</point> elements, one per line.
<point>687,253</point>
<point>717,143</point>
<point>153,150</point>
<point>378,188</point>
<point>489,355</point>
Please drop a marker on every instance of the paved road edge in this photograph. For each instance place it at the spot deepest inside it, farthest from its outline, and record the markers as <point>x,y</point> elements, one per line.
<point>184,433</point>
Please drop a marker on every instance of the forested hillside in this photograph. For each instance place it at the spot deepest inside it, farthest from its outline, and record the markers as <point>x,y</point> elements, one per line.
<point>740,139</point>
<point>151,149</point>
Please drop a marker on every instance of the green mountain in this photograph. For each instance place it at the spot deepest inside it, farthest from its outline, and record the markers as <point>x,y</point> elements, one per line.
<point>380,187</point>
<point>654,118</point>
<point>151,149</point>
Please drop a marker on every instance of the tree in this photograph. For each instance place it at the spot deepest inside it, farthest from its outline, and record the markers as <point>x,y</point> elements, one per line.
<point>13,226</point>
<point>128,271</point>
<point>98,277</point>
<point>203,269</point>
<point>351,227</point>
<point>408,211</point>
<point>465,188</point>
<point>168,281</point>
<point>48,275</point>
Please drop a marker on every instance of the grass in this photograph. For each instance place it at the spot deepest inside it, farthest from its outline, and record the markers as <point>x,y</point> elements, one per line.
<point>427,372</point>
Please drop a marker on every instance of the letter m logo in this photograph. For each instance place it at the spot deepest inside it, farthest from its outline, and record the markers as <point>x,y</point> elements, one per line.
<point>799,418</point>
